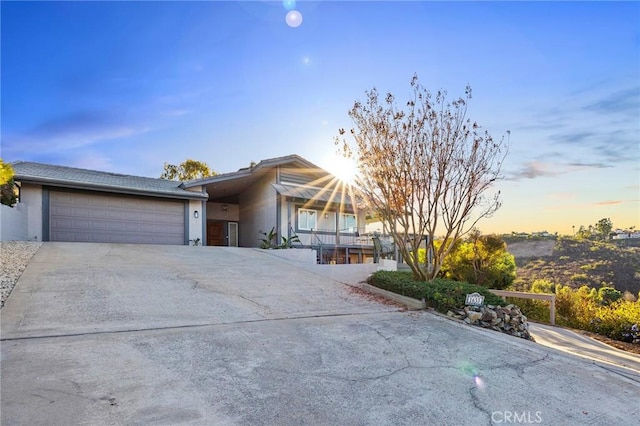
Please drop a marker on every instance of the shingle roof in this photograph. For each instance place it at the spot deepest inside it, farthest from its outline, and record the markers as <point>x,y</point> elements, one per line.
<point>248,171</point>
<point>70,177</point>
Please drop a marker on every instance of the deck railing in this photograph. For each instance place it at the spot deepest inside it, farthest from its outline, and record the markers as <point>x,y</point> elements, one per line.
<point>341,238</point>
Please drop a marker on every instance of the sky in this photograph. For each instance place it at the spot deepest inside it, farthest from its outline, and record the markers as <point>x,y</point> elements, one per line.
<point>126,86</point>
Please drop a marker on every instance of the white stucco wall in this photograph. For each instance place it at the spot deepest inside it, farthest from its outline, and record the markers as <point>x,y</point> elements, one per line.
<point>13,222</point>
<point>195,223</point>
<point>31,197</point>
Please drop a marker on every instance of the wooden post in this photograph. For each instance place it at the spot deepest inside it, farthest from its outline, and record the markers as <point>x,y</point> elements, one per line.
<point>541,296</point>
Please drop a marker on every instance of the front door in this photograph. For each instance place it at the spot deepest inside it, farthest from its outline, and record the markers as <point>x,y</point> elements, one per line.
<point>215,234</point>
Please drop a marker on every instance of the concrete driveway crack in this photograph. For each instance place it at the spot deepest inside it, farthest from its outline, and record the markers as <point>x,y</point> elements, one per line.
<point>478,405</point>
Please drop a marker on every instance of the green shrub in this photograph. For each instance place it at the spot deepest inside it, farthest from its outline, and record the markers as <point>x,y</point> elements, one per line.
<point>441,294</point>
<point>579,277</point>
<point>533,309</point>
<point>607,295</point>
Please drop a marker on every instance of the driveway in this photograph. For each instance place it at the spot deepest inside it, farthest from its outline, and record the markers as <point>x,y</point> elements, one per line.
<point>123,334</point>
<point>575,343</point>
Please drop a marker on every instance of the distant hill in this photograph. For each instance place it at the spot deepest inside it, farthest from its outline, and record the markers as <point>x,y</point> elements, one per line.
<point>578,262</point>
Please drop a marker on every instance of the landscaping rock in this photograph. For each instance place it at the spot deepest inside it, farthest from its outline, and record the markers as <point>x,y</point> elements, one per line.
<point>507,319</point>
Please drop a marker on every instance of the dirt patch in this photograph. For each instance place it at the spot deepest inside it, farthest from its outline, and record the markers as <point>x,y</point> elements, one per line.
<point>376,298</point>
<point>629,347</point>
<point>529,249</point>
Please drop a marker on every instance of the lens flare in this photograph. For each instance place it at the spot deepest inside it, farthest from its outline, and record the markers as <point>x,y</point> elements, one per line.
<point>289,4</point>
<point>293,18</point>
<point>480,384</point>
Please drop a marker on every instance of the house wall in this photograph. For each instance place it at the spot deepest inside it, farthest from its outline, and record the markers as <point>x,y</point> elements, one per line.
<point>287,224</point>
<point>327,226</point>
<point>31,197</point>
<point>257,211</point>
<point>216,211</point>
<point>195,223</point>
<point>13,222</point>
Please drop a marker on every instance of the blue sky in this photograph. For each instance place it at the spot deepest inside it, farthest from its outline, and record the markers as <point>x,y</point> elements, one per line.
<point>127,86</point>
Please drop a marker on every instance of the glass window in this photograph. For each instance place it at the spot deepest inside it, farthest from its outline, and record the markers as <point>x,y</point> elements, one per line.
<point>307,219</point>
<point>348,222</point>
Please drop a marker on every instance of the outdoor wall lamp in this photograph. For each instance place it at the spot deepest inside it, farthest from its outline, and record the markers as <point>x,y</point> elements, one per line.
<point>225,207</point>
<point>195,214</point>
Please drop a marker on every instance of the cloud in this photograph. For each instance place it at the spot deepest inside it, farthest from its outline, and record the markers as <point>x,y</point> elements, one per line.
<point>626,101</point>
<point>532,170</point>
<point>83,128</point>
<point>579,137</point>
<point>537,169</point>
<point>585,165</point>
<point>608,203</point>
<point>599,123</point>
<point>75,130</point>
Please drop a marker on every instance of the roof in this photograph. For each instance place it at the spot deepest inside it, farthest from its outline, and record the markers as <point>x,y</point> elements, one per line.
<point>328,194</point>
<point>70,177</point>
<point>257,169</point>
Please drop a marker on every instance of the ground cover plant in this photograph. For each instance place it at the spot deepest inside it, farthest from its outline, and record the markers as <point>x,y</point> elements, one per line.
<point>441,294</point>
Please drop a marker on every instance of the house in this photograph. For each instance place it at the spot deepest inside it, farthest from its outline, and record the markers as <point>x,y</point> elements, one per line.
<point>288,194</point>
<point>293,197</point>
<point>78,205</point>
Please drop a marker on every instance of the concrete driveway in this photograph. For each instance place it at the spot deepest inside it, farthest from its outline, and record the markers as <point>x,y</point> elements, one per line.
<point>120,334</point>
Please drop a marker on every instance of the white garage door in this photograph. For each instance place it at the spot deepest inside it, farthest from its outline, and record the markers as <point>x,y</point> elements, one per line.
<point>80,217</point>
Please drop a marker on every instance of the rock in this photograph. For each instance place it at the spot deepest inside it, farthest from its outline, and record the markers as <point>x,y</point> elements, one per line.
<point>508,319</point>
<point>489,315</point>
<point>474,316</point>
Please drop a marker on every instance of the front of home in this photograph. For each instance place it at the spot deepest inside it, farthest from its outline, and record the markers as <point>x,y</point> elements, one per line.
<point>292,197</point>
<point>288,195</point>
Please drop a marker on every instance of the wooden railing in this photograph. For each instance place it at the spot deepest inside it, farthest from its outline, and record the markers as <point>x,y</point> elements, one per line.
<point>344,238</point>
<point>540,296</point>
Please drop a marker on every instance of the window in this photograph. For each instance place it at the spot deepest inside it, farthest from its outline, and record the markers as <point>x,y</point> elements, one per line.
<point>347,222</point>
<point>307,219</point>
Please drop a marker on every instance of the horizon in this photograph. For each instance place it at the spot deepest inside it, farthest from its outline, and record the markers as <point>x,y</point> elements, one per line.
<point>126,86</point>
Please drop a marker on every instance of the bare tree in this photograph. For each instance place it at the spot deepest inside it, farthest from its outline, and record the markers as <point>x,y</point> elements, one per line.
<point>425,168</point>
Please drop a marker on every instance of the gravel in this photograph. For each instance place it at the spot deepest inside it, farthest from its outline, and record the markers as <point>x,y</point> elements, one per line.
<point>14,257</point>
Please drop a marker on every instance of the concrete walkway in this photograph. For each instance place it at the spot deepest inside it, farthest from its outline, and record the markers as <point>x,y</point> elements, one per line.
<point>119,334</point>
<point>578,344</point>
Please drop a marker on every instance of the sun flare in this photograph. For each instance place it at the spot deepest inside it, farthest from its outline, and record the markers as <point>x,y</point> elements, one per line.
<point>344,169</point>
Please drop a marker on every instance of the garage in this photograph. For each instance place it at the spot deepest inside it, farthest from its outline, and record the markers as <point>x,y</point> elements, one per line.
<point>108,218</point>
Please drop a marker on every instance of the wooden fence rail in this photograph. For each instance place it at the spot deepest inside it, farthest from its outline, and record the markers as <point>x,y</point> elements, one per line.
<point>540,296</point>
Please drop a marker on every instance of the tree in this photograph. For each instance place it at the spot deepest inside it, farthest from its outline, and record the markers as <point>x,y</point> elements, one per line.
<point>8,195</point>
<point>482,260</point>
<point>187,170</point>
<point>604,227</point>
<point>424,169</point>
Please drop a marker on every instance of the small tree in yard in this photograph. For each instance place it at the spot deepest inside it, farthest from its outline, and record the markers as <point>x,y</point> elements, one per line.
<point>482,260</point>
<point>187,170</point>
<point>424,169</point>
<point>8,194</point>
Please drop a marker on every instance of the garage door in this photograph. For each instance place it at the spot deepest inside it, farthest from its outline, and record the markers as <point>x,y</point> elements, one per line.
<point>87,217</point>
